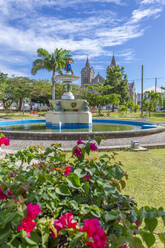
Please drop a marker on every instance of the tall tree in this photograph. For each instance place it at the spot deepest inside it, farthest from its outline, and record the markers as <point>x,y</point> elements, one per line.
<point>152,100</point>
<point>40,91</point>
<point>96,96</point>
<point>117,80</point>
<point>19,89</point>
<point>53,62</point>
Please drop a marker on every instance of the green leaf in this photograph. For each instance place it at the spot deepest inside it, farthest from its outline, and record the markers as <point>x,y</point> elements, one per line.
<point>151,224</point>
<point>73,181</point>
<point>162,237</point>
<point>7,218</point>
<point>4,233</point>
<point>123,184</point>
<point>77,237</point>
<point>74,204</point>
<point>86,187</point>
<point>110,216</point>
<point>135,242</point>
<point>148,238</point>
<point>78,172</point>
<point>63,190</point>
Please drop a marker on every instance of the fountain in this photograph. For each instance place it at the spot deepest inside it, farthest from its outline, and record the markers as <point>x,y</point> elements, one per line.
<point>68,112</point>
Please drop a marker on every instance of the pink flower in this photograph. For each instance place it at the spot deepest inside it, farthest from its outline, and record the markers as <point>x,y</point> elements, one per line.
<point>33,211</point>
<point>24,192</point>
<point>27,225</point>
<point>95,231</point>
<point>137,223</point>
<point>77,152</point>
<point>93,147</point>
<point>9,193</point>
<point>67,170</point>
<point>54,168</point>
<point>123,246</point>
<point>79,142</point>
<point>2,195</point>
<point>5,141</point>
<point>63,222</point>
<point>12,174</point>
<point>87,177</point>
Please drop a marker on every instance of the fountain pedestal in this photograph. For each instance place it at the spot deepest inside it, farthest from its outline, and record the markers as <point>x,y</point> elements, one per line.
<point>68,112</point>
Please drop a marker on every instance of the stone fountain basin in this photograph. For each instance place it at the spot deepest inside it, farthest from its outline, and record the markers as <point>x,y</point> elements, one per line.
<point>152,129</point>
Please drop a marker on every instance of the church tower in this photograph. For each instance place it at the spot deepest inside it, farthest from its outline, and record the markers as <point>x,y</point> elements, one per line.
<point>113,62</point>
<point>87,74</point>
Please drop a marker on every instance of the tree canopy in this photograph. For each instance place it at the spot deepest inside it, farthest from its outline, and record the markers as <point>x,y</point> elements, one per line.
<point>53,62</point>
<point>117,80</point>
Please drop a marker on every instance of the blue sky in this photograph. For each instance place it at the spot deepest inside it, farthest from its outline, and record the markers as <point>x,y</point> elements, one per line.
<point>133,29</point>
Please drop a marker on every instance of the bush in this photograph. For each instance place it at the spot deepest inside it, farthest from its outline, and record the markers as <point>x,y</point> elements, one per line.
<point>49,200</point>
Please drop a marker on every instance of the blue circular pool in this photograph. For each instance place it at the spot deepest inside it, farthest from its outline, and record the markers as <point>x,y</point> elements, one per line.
<point>107,129</point>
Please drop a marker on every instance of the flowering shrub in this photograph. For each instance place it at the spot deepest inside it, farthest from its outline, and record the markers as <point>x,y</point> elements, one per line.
<point>50,200</point>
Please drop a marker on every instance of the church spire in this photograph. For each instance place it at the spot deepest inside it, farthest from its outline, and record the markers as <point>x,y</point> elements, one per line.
<point>87,63</point>
<point>113,62</point>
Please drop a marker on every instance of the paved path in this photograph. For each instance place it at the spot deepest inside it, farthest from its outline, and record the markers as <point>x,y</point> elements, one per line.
<point>154,139</point>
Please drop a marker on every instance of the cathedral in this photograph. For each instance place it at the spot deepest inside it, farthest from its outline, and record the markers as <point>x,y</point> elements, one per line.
<point>88,77</point>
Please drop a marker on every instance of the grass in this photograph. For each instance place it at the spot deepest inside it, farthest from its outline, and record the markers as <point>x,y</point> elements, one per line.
<point>20,115</point>
<point>155,116</point>
<point>146,184</point>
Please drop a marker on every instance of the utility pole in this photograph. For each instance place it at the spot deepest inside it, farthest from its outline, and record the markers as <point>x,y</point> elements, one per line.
<point>142,91</point>
<point>155,84</point>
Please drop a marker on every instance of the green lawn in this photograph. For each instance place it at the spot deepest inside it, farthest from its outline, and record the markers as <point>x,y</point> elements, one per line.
<point>20,115</point>
<point>146,178</point>
<point>155,116</point>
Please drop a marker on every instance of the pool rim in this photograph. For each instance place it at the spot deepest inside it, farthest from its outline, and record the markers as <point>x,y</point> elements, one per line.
<point>83,135</point>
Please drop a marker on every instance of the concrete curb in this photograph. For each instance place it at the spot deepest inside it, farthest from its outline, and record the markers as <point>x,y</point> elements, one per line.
<point>79,135</point>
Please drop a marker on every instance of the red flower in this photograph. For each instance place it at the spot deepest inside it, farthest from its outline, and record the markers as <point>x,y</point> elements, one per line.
<point>33,211</point>
<point>63,222</point>
<point>24,192</point>
<point>5,141</point>
<point>77,152</point>
<point>93,147</point>
<point>2,195</point>
<point>87,177</point>
<point>67,170</point>
<point>79,142</point>
<point>27,225</point>
<point>137,223</point>
<point>95,231</point>
<point>123,246</point>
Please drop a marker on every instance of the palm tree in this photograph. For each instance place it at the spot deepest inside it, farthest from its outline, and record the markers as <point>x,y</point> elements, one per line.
<point>54,62</point>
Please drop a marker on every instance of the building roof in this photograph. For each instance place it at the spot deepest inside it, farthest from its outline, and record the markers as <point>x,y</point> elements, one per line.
<point>87,63</point>
<point>113,61</point>
<point>98,79</point>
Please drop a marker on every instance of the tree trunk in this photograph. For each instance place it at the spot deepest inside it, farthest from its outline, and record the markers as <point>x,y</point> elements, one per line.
<point>53,86</point>
<point>113,108</point>
<point>20,104</point>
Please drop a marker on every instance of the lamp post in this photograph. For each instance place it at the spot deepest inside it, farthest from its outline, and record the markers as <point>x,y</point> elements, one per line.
<point>142,91</point>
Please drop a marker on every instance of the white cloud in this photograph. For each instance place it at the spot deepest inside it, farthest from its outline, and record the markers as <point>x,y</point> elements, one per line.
<point>153,1</point>
<point>140,14</point>
<point>12,72</point>
<point>92,35</point>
